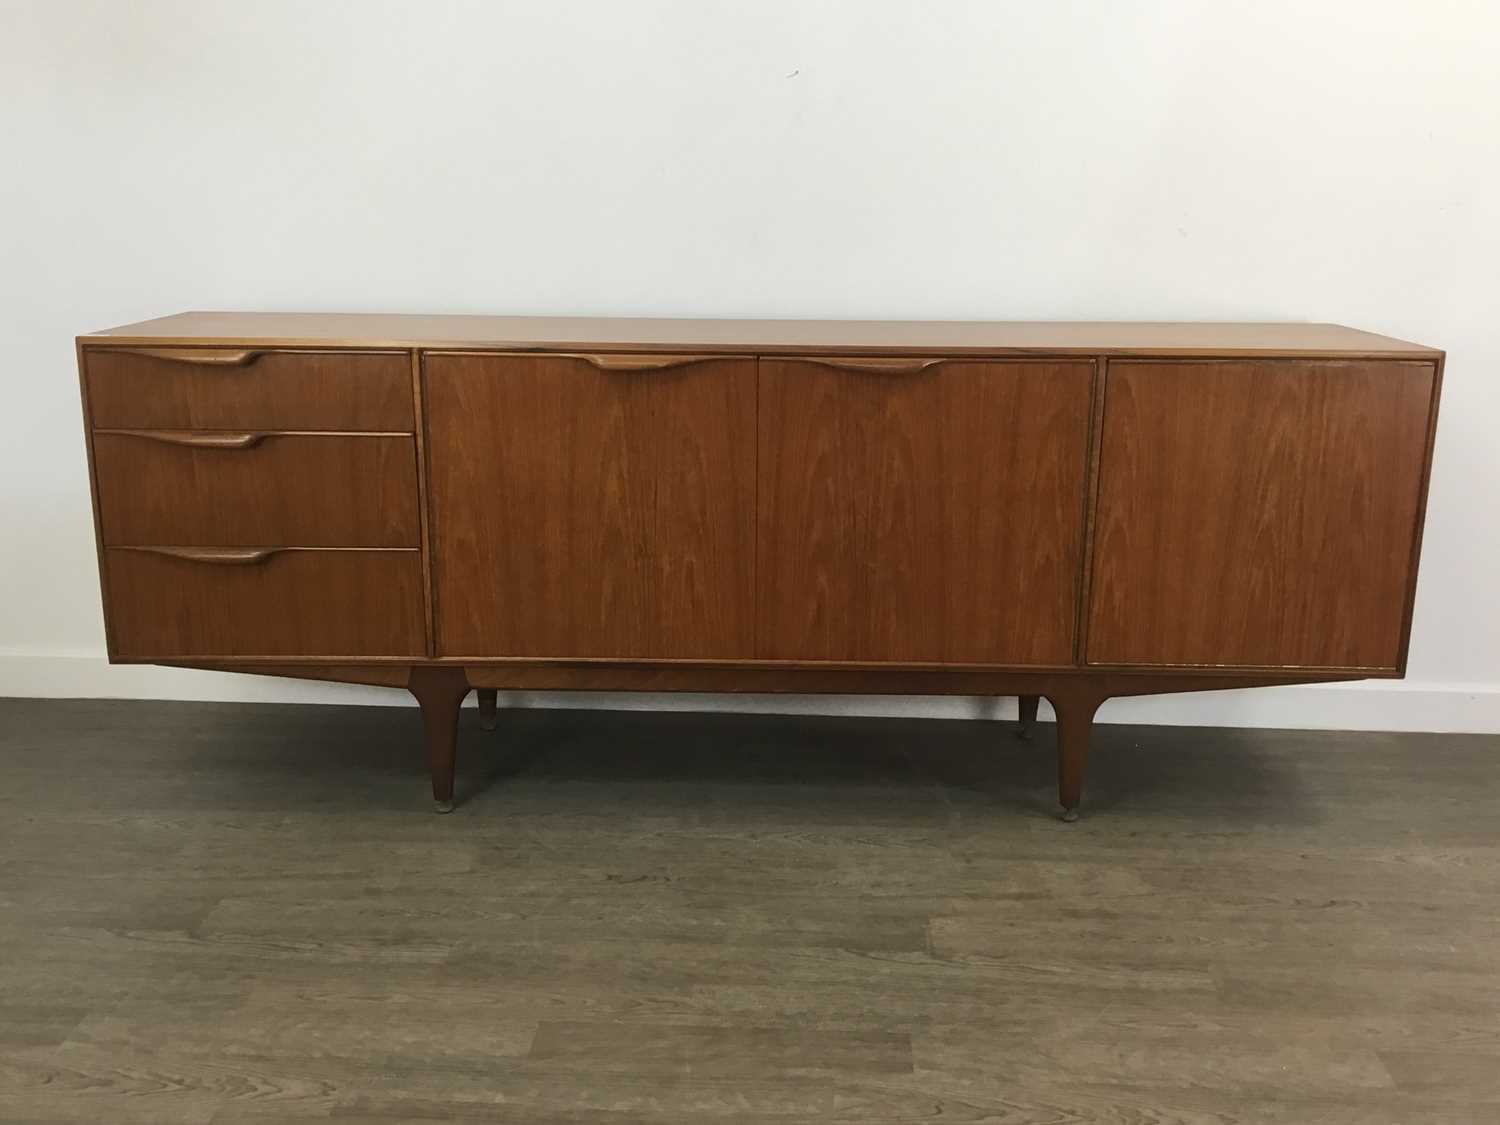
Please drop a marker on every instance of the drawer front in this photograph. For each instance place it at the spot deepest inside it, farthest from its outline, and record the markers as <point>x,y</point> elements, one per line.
<point>195,488</point>
<point>293,603</point>
<point>215,388</point>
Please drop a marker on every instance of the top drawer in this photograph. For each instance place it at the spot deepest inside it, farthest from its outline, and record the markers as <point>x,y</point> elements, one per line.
<point>209,388</point>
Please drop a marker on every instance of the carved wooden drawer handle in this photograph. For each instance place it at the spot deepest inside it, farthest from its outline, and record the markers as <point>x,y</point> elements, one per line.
<point>218,556</point>
<point>646,362</point>
<point>875,366</point>
<point>206,357</point>
<point>200,439</point>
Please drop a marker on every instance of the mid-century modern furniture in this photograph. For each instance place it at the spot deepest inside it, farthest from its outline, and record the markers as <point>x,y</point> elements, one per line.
<point>1068,510</point>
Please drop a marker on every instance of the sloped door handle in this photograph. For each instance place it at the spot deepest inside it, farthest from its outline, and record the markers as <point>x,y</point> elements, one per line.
<point>203,357</point>
<point>874,365</point>
<point>627,362</point>
<point>216,556</point>
<point>203,439</point>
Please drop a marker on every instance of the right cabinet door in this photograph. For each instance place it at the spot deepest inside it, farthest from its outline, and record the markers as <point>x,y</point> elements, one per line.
<point>921,511</point>
<point>1258,514</point>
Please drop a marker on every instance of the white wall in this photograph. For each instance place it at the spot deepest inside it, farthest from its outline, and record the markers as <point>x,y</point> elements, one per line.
<point>1278,160</point>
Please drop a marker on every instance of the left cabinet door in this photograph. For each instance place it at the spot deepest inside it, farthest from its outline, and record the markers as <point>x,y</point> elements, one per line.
<point>592,506</point>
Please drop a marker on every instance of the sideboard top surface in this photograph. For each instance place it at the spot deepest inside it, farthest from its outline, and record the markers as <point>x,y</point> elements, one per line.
<point>1119,338</point>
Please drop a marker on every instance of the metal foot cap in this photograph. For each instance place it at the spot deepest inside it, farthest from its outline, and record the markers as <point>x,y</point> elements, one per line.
<point>445,806</point>
<point>1069,816</point>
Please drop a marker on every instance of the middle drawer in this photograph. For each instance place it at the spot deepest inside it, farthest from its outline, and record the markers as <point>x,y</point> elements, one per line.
<point>213,488</point>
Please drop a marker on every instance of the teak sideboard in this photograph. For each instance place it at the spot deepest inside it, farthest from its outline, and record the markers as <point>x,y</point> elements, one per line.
<point>1069,510</point>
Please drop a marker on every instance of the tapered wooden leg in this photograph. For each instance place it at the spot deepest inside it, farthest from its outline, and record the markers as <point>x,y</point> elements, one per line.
<point>1075,719</point>
<point>489,714</point>
<point>440,692</point>
<point>1027,704</point>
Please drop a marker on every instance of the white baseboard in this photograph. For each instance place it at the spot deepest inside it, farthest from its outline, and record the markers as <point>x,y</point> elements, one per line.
<point>1367,705</point>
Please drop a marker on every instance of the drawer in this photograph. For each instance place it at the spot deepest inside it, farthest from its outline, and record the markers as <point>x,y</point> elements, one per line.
<point>201,488</point>
<point>165,605</point>
<point>218,388</point>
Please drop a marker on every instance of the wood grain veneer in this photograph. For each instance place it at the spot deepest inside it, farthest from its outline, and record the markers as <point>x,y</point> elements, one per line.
<point>580,510</point>
<point>1257,515</point>
<point>328,604</point>
<point>262,389</point>
<point>219,489</point>
<point>1075,511</point>
<point>902,337</point>
<point>922,512</point>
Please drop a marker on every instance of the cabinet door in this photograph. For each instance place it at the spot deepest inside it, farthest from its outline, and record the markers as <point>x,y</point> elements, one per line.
<point>592,506</point>
<point>921,511</point>
<point>1258,514</point>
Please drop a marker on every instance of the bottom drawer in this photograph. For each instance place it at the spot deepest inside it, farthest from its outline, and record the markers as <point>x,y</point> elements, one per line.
<point>168,604</point>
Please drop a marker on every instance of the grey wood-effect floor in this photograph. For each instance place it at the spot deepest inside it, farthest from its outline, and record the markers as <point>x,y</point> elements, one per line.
<point>225,913</point>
